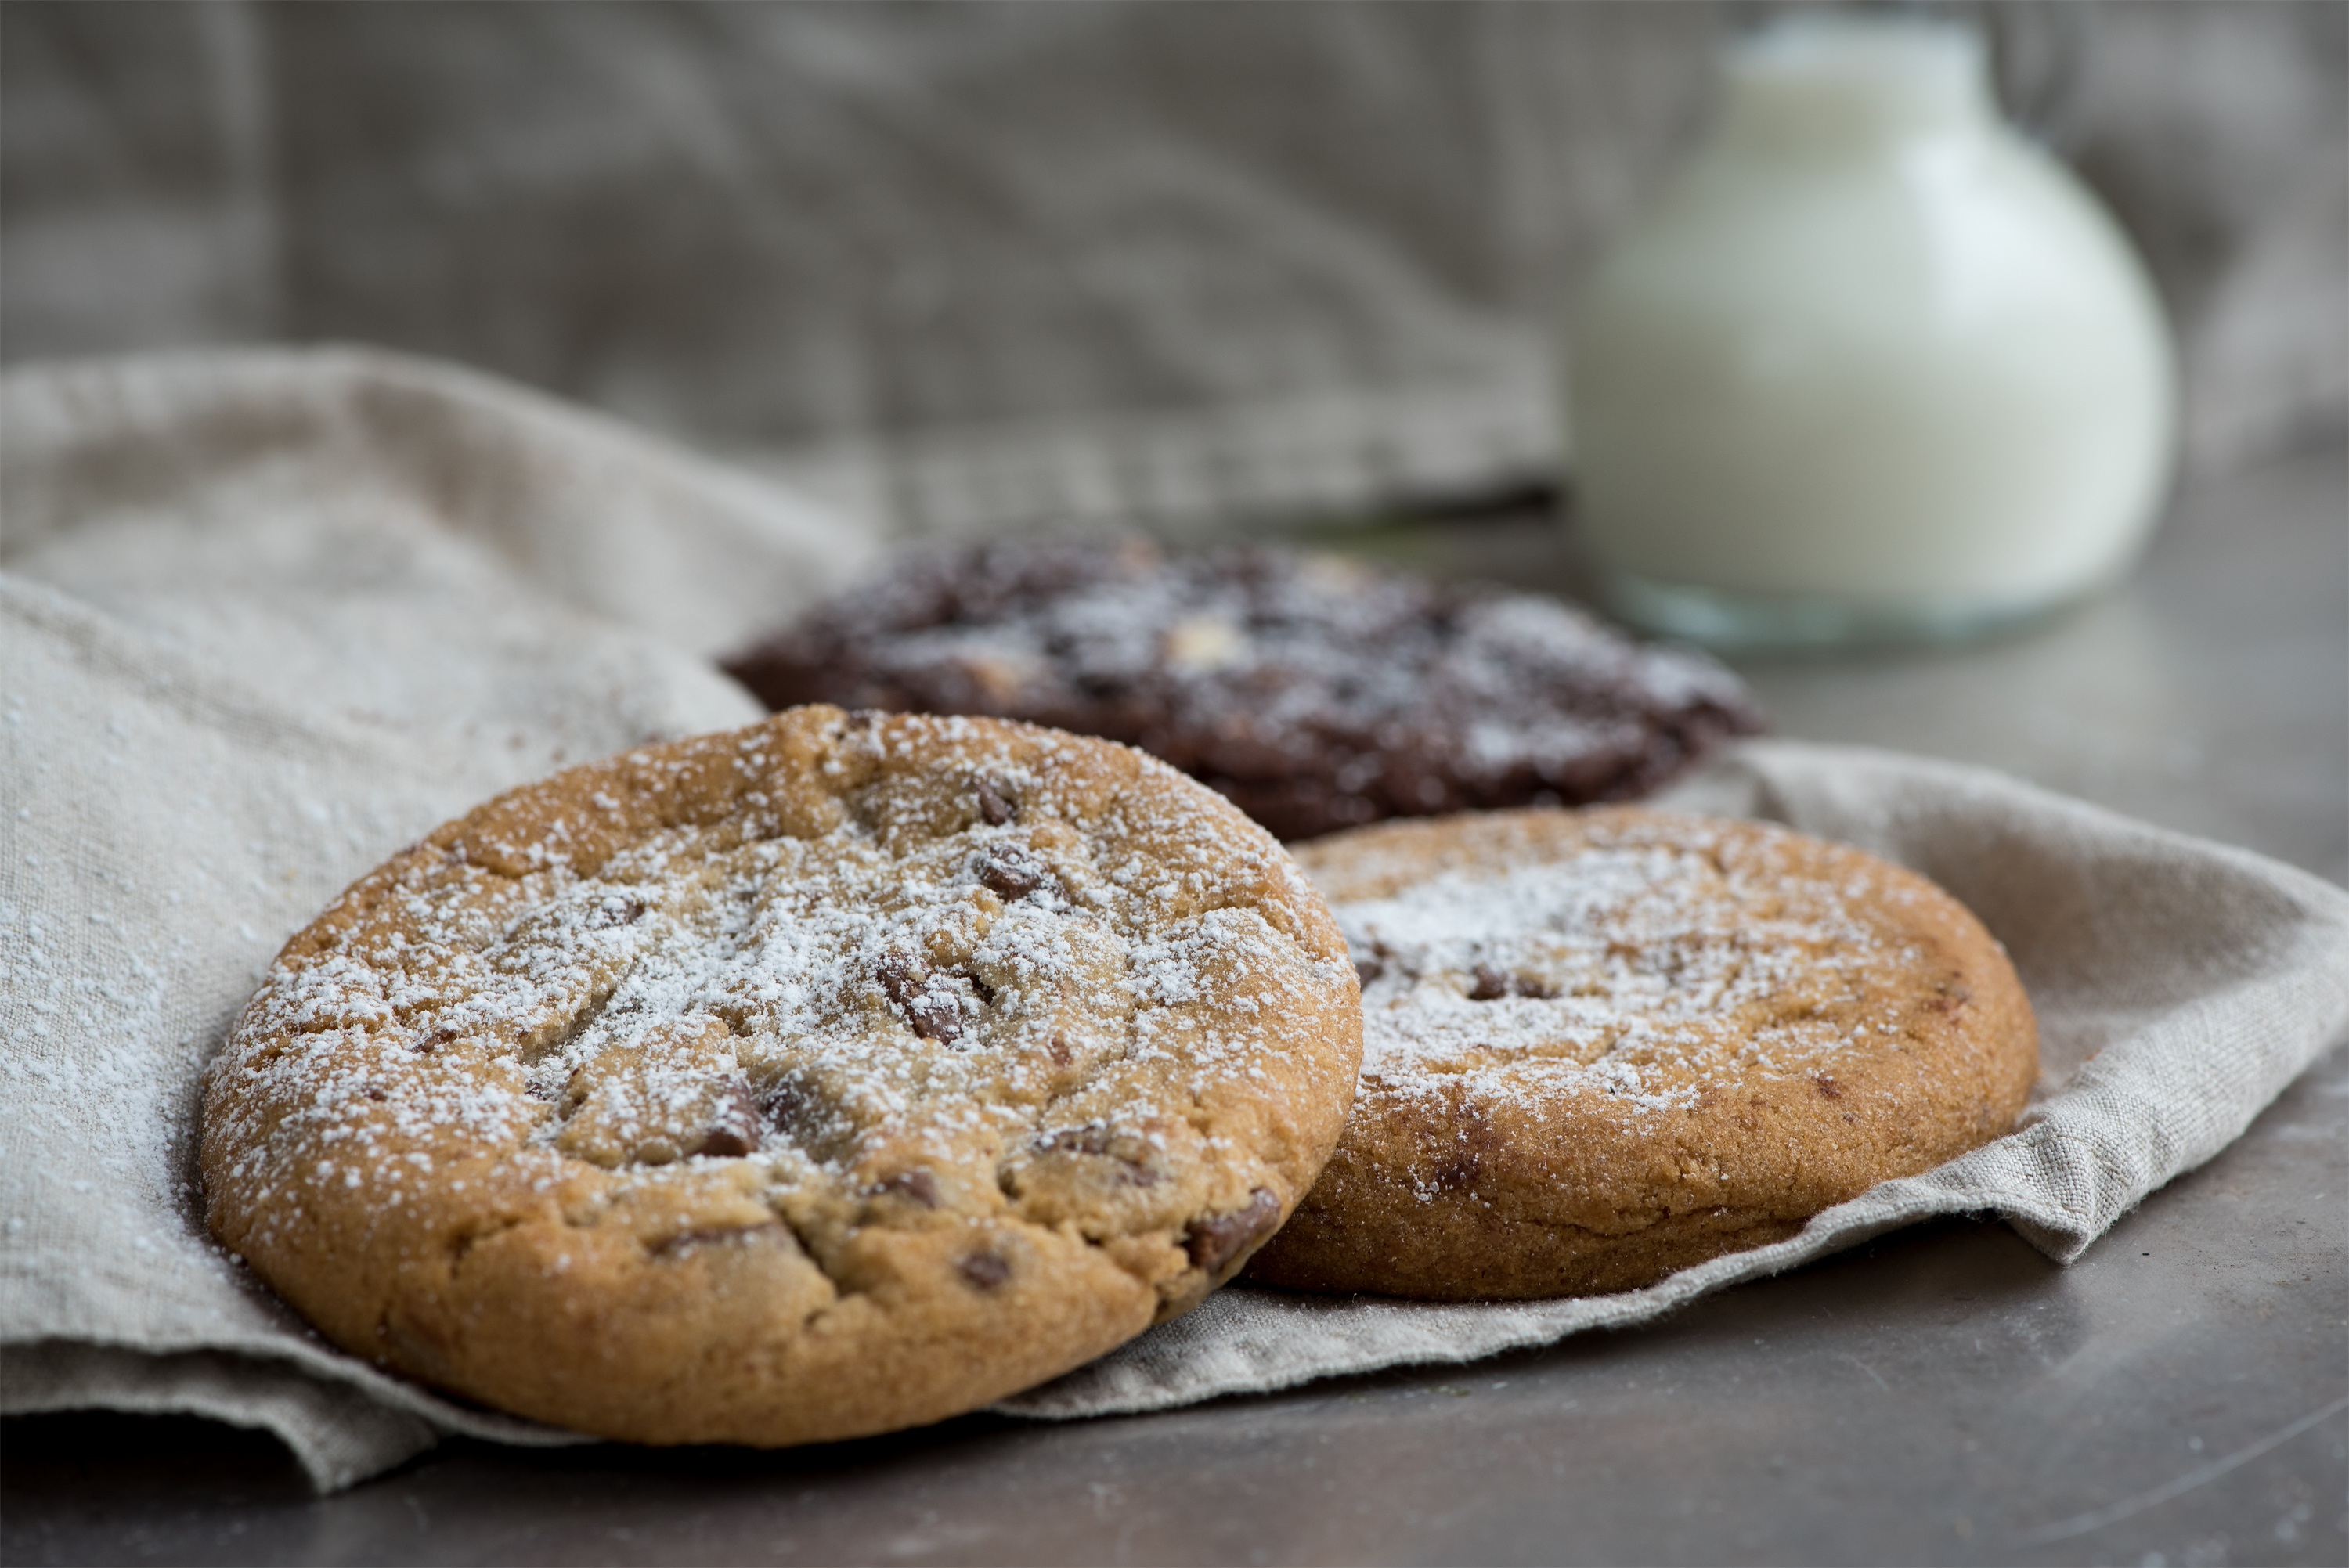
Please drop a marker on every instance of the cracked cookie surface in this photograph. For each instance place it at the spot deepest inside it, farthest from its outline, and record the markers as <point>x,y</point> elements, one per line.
<point>1599,1046</point>
<point>813,1079</point>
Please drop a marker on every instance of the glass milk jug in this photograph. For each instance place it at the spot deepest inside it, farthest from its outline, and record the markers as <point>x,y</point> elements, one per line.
<point>1874,366</point>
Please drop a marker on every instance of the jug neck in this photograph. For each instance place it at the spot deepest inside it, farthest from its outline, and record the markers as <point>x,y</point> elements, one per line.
<point>1827,82</point>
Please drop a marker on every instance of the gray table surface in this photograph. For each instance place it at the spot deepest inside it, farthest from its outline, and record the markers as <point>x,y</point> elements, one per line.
<point>1945,1395</point>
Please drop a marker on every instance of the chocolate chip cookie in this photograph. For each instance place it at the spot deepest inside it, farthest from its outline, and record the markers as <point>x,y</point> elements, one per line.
<point>1314,692</point>
<point>818,1079</point>
<point>1603,1046</point>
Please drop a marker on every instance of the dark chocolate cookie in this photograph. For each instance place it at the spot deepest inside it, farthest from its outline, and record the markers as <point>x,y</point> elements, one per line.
<point>1314,691</point>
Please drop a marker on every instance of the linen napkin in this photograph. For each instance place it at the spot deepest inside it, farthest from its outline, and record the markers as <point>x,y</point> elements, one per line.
<point>264,617</point>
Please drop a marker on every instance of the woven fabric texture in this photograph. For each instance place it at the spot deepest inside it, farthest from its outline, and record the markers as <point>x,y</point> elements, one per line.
<point>266,617</point>
<point>990,266</point>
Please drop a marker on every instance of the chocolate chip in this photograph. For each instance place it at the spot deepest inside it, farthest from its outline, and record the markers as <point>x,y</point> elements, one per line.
<point>899,979</point>
<point>1078,1140</point>
<point>930,1015</point>
<point>724,1143</point>
<point>734,1130</point>
<point>732,1135</point>
<point>797,1114</point>
<point>1828,1088</point>
<point>617,911</point>
<point>1102,1143</point>
<point>1012,877</point>
<point>1367,969</point>
<point>985,1271</point>
<point>915,1186</point>
<point>1492,985</point>
<point>1058,1049</point>
<point>992,807</point>
<point>1218,1239</point>
<point>1452,1143</point>
<point>936,1018</point>
<point>1457,1170</point>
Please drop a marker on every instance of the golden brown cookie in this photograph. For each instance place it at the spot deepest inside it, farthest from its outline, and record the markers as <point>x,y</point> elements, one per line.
<point>1603,1046</point>
<point>817,1078</point>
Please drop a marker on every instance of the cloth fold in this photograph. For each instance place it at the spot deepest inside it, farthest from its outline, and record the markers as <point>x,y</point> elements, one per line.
<point>266,617</point>
<point>2179,986</point>
<point>990,266</point>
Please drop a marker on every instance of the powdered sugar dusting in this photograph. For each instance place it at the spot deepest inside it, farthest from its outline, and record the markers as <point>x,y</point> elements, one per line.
<point>946,969</point>
<point>1645,966</point>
